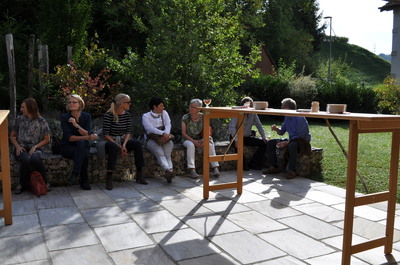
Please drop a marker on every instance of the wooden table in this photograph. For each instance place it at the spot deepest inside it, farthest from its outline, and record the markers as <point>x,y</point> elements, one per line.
<point>359,123</point>
<point>6,213</point>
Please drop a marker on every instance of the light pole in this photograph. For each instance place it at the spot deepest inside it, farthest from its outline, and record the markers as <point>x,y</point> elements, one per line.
<point>330,47</point>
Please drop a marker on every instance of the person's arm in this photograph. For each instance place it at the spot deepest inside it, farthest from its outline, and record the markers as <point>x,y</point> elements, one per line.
<point>43,142</point>
<point>13,138</point>
<point>196,143</point>
<point>259,127</point>
<point>233,127</point>
<point>149,127</point>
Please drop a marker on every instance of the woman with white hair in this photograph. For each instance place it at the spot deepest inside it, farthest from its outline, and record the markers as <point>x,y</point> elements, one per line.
<point>117,131</point>
<point>192,133</point>
<point>77,132</point>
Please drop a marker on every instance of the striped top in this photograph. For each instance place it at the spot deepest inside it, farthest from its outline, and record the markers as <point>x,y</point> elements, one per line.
<point>112,128</point>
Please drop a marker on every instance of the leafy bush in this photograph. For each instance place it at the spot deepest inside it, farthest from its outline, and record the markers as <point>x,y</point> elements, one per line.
<point>388,94</point>
<point>358,98</point>
<point>303,90</point>
<point>269,88</point>
<point>96,91</point>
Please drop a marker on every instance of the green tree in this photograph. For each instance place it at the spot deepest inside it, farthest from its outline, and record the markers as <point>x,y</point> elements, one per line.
<point>62,24</point>
<point>291,31</point>
<point>193,51</point>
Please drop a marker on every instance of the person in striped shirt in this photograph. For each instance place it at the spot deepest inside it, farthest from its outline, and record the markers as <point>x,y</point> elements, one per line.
<point>117,131</point>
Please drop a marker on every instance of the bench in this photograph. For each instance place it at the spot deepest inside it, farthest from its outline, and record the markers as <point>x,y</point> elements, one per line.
<point>59,168</point>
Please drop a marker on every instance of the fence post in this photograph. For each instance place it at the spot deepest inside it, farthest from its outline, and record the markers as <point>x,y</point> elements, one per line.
<point>43,58</point>
<point>12,81</point>
<point>69,54</point>
<point>31,54</point>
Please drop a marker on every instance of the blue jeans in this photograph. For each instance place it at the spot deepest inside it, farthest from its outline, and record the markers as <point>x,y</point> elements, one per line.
<point>80,154</point>
<point>292,149</point>
<point>28,164</point>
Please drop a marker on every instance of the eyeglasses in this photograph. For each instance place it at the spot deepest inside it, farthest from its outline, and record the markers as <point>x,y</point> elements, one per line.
<point>73,102</point>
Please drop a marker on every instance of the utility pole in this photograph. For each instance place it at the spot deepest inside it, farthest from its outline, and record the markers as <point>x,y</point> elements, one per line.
<point>330,47</point>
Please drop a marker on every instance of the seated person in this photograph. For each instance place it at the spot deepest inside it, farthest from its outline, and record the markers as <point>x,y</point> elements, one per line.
<point>117,132</point>
<point>157,123</point>
<point>256,161</point>
<point>299,140</point>
<point>192,130</point>
<point>77,132</point>
<point>29,134</point>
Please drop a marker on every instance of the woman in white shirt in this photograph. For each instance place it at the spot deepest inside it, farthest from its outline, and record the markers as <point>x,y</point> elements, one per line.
<point>157,124</point>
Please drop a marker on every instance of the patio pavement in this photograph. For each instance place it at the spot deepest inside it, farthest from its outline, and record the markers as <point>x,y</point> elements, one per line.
<point>275,221</point>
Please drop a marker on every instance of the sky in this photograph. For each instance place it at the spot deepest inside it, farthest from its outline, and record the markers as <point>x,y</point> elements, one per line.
<point>361,22</point>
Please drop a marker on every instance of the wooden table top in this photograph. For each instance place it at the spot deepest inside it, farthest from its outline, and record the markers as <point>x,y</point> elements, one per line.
<point>320,114</point>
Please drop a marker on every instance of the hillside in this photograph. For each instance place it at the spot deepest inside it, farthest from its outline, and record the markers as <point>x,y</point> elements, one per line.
<point>366,67</point>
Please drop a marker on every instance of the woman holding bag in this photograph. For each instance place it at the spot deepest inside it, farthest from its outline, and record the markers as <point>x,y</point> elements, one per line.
<point>158,139</point>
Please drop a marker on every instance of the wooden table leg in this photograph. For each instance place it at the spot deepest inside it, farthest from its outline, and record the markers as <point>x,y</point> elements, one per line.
<point>391,207</point>
<point>206,155</point>
<point>5,173</point>
<point>350,194</point>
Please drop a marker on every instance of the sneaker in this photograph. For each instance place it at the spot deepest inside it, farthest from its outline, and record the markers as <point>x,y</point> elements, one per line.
<point>216,172</point>
<point>193,174</point>
<point>85,186</point>
<point>271,170</point>
<point>291,175</point>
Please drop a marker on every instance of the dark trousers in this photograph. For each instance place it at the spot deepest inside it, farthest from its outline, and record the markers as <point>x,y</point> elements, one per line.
<point>258,157</point>
<point>29,163</point>
<point>292,148</point>
<point>112,150</point>
<point>80,154</point>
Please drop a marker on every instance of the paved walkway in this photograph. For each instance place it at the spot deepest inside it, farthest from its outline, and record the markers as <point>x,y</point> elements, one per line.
<point>274,221</point>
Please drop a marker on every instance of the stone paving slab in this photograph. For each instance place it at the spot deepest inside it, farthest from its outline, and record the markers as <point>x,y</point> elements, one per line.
<point>275,221</point>
<point>69,236</point>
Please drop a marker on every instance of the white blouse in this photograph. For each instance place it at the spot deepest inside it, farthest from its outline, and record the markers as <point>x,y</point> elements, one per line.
<point>151,121</point>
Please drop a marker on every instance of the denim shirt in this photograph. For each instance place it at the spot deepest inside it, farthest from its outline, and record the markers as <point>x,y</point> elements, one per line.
<point>296,127</point>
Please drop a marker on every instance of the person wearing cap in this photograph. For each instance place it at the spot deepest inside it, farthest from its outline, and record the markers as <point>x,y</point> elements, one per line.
<point>249,137</point>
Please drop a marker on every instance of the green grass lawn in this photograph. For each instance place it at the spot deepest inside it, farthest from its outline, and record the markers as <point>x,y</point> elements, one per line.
<point>373,155</point>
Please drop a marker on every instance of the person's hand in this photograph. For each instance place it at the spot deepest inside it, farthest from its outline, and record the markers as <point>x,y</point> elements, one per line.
<point>265,140</point>
<point>32,150</point>
<point>73,121</point>
<point>93,137</point>
<point>198,143</point>
<point>282,144</point>
<point>274,128</point>
<point>124,151</point>
<point>19,149</point>
<point>165,137</point>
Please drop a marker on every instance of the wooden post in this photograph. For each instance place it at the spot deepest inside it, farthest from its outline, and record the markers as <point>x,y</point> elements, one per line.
<point>69,54</point>
<point>31,54</point>
<point>12,81</point>
<point>43,58</point>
